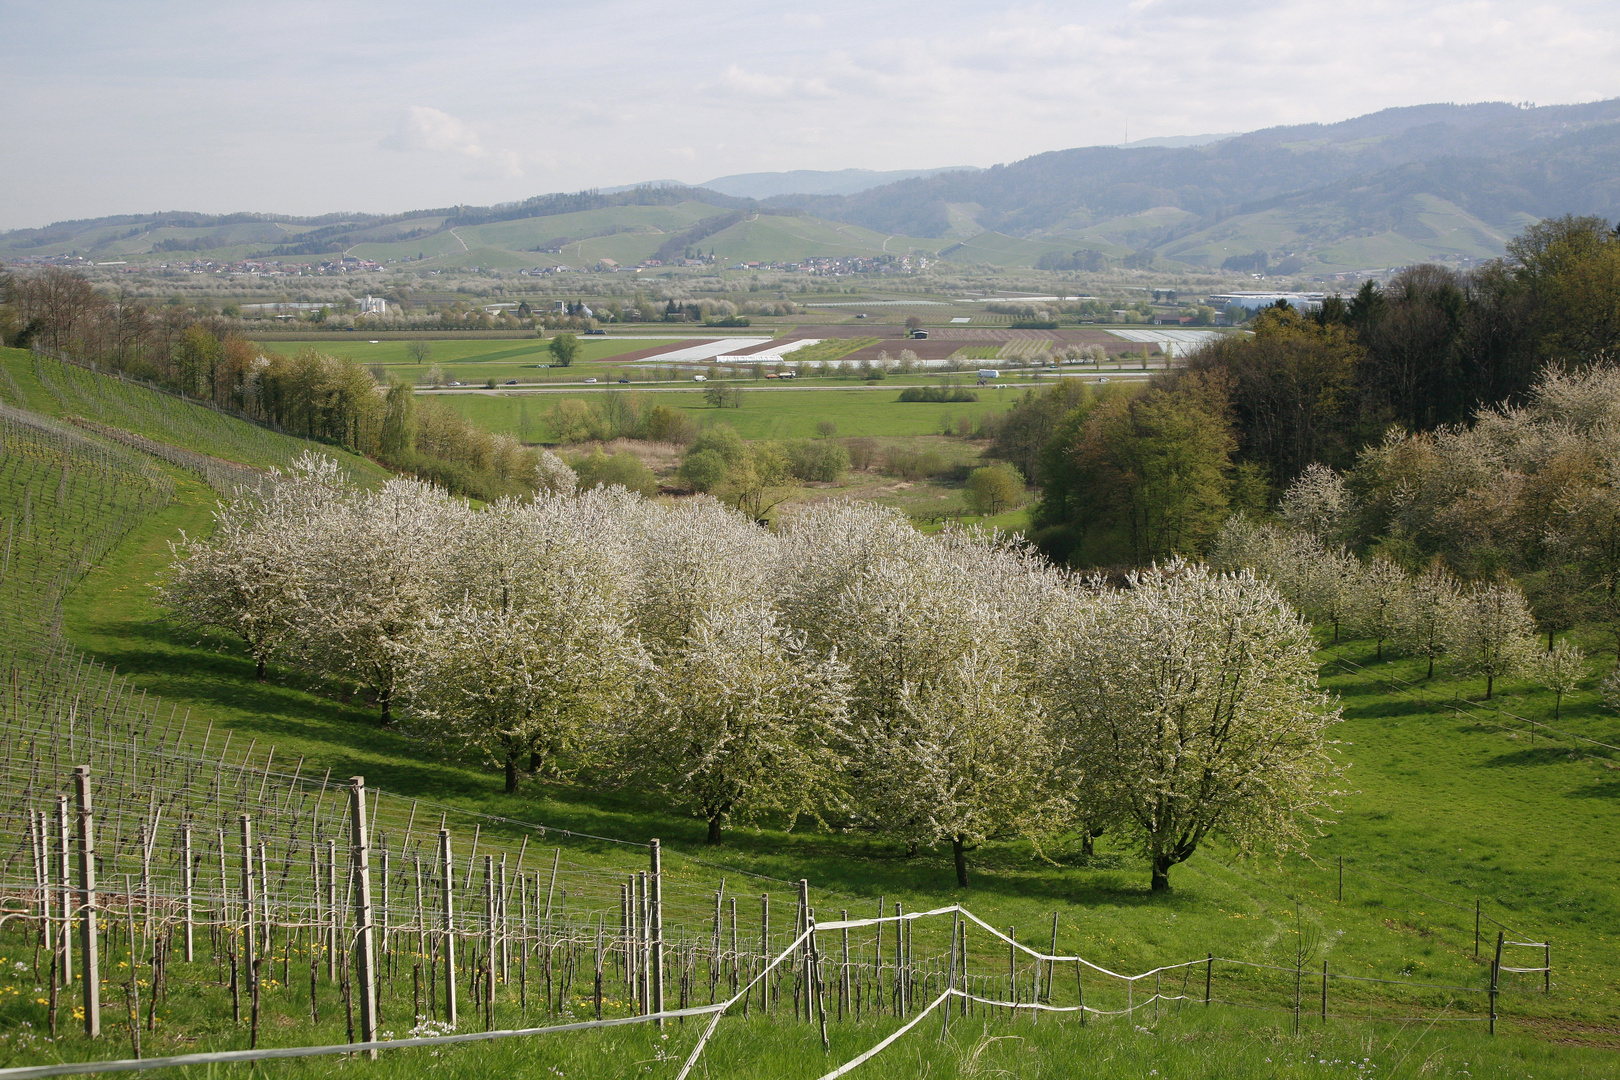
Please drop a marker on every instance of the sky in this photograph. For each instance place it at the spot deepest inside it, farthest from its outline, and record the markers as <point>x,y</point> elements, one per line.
<point>305,108</point>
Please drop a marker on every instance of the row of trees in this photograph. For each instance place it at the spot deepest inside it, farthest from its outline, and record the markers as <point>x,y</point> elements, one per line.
<point>1483,628</point>
<point>843,668</point>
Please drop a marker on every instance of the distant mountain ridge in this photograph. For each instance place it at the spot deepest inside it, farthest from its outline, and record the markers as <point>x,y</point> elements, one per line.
<point>1494,163</point>
<point>764,185</point>
<point>1430,182</point>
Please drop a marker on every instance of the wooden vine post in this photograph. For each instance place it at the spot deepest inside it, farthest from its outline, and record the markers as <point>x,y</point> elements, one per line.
<point>447,871</point>
<point>188,882</point>
<point>655,926</point>
<point>249,902</point>
<point>66,877</point>
<point>88,937</point>
<point>364,950</point>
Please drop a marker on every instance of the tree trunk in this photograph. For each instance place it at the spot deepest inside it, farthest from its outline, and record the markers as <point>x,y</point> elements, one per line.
<point>1490,684</point>
<point>1087,844</point>
<point>1161,873</point>
<point>536,759</point>
<point>1380,648</point>
<point>959,852</point>
<point>387,696</point>
<point>260,669</point>
<point>1431,667</point>
<point>714,828</point>
<point>511,772</point>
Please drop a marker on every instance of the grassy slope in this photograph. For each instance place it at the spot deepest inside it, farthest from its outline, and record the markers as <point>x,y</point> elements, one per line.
<point>1450,807</point>
<point>62,390</point>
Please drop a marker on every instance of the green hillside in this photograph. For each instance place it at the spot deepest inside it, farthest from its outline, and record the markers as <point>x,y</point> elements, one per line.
<point>1448,804</point>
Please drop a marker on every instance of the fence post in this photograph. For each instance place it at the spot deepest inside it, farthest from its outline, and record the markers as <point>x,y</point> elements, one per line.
<point>950,977</point>
<point>249,903</point>
<point>1476,928</point>
<point>365,956</point>
<point>815,979</point>
<point>764,949</point>
<point>87,903</point>
<point>1080,992</point>
<point>1209,975</point>
<point>803,960</point>
<point>1324,991</point>
<point>1546,986</point>
<point>655,926</point>
<point>1341,879</point>
<point>447,903</point>
<point>1496,972</point>
<point>1050,962</point>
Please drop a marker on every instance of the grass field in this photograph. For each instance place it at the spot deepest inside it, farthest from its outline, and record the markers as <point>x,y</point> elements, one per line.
<point>764,414</point>
<point>1443,809</point>
<point>474,362</point>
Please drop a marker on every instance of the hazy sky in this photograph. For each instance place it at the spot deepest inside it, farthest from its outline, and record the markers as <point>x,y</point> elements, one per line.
<point>299,107</point>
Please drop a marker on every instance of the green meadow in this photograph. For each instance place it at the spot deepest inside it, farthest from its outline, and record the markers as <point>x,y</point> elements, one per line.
<point>1448,802</point>
<point>858,411</point>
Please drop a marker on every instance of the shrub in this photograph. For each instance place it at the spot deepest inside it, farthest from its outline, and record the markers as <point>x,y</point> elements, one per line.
<point>938,393</point>
<point>723,440</point>
<point>623,469</point>
<point>703,470</point>
<point>995,489</point>
<point>665,423</point>
<point>914,464</point>
<point>862,453</point>
<point>818,460</point>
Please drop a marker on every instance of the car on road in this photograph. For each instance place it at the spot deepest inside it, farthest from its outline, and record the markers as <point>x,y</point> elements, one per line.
<point>590,380</point>
<point>597,333</point>
<point>511,382</point>
<point>624,380</point>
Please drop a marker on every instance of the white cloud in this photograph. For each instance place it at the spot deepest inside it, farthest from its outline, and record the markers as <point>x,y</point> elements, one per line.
<point>522,101</point>
<point>426,128</point>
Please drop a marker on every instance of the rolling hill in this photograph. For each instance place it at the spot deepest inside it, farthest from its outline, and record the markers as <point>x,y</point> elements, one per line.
<point>1446,183</point>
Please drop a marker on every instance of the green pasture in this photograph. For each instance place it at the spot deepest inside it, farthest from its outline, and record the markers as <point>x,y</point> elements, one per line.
<point>1440,809</point>
<point>867,410</point>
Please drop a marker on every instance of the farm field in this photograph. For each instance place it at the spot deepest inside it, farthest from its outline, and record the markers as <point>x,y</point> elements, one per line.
<point>764,414</point>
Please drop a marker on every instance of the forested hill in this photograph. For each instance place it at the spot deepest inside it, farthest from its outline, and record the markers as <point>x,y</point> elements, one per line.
<point>1497,163</point>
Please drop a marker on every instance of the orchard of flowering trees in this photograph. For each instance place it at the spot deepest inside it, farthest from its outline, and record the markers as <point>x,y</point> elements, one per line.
<point>841,668</point>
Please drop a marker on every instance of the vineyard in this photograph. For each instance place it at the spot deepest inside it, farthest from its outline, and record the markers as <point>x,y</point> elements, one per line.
<point>178,894</point>
<point>155,421</point>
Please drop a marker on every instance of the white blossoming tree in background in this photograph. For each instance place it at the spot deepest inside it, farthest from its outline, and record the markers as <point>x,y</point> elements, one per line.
<point>1561,671</point>
<point>1492,633</point>
<point>1430,602</point>
<point>1379,597</point>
